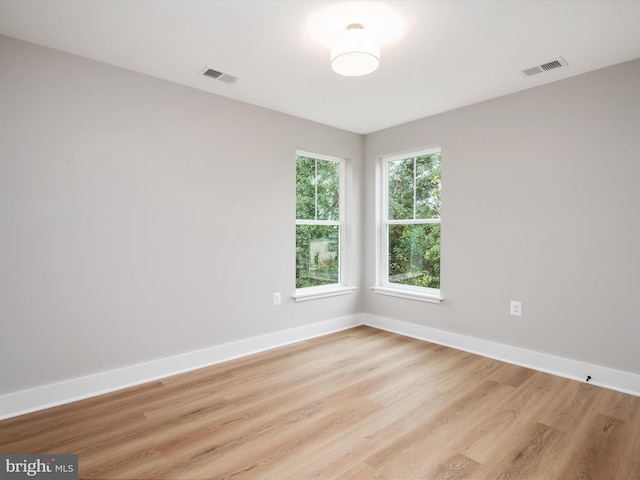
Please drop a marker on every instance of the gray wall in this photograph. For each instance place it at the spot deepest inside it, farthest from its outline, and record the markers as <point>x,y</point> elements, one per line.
<point>540,204</point>
<point>141,219</point>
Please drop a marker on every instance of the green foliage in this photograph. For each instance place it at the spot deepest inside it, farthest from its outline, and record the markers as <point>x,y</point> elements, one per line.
<point>414,194</point>
<point>305,188</point>
<point>317,198</point>
<point>317,189</point>
<point>328,197</point>
<point>414,188</point>
<point>414,255</point>
<point>317,260</point>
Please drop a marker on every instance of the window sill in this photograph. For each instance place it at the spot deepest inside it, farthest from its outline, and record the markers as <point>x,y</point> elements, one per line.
<point>422,297</point>
<point>303,296</point>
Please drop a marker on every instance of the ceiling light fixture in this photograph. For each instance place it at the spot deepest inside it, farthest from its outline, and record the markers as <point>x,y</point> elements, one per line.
<point>355,52</point>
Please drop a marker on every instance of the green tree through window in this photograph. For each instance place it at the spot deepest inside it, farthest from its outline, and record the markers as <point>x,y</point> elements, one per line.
<point>318,221</point>
<point>412,222</point>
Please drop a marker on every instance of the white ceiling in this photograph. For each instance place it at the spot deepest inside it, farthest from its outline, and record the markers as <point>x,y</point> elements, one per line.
<point>448,53</point>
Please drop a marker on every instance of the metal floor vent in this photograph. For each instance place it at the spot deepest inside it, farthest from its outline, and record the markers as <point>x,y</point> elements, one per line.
<point>223,77</point>
<point>550,65</point>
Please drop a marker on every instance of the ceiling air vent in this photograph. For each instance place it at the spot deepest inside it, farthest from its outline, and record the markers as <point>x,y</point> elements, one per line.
<point>550,65</point>
<point>223,77</point>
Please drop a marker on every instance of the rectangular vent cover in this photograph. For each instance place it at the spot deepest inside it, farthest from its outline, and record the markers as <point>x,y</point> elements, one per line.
<point>545,67</point>
<point>223,77</point>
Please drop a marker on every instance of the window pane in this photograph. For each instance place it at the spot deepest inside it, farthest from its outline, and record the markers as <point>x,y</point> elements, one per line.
<point>414,255</point>
<point>400,187</point>
<point>328,180</point>
<point>428,186</point>
<point>317,259</point>
<point>305,188</point>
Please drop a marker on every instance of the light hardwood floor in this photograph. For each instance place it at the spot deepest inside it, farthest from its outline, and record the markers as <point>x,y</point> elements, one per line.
<point>359,404</point>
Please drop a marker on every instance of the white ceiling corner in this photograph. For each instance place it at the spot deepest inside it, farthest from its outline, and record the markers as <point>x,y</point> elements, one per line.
<point>450,54</point>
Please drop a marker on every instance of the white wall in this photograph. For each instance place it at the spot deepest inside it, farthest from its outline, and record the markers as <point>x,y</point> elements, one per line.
<point>141,219</point>
<point>540,204</point>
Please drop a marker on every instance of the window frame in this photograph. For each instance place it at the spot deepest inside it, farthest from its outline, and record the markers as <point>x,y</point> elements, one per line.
<point>383,285</point>
<point>339,288</point>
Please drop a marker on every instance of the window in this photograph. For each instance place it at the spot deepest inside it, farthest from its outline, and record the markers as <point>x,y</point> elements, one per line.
<point>410,226</point>
<point>319,224</point>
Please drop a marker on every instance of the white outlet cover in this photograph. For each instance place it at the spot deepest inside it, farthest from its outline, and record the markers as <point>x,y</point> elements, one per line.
<point>516,308</point>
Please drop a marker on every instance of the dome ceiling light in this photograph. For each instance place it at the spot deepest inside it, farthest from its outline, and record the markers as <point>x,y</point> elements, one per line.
<point>355,51</point>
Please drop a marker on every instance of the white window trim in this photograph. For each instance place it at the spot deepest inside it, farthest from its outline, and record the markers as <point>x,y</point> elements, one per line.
<point>402,293</point>
<point>340,288</point>
<point>383,286</point>
<point>313,293</point>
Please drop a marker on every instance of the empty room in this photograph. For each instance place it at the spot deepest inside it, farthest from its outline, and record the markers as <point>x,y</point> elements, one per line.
<point>255,239</point>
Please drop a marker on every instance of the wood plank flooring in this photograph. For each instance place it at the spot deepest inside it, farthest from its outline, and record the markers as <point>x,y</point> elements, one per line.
<point>359,404</point>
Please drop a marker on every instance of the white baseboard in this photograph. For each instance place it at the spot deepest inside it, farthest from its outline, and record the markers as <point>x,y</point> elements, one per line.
<point>26,401</point>
<point>618,380</point>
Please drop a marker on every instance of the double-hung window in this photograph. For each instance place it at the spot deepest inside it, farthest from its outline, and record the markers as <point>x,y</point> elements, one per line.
<point>319,225</point>
<point>409,256</point>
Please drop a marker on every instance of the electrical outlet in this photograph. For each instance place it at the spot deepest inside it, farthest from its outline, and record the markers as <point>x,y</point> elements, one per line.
<point>276,298</point>
<point>516,308</point>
